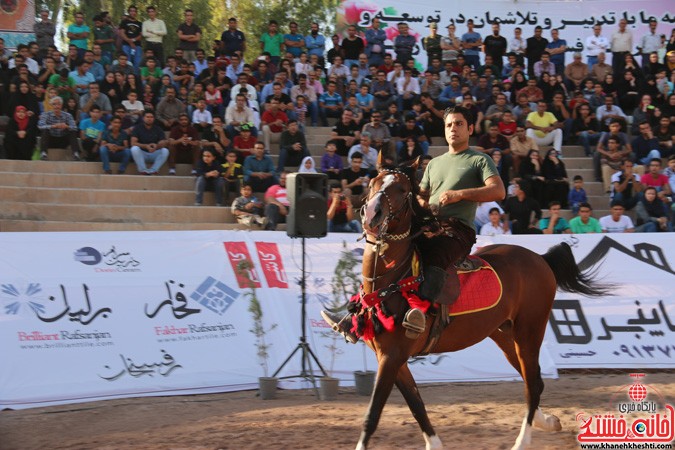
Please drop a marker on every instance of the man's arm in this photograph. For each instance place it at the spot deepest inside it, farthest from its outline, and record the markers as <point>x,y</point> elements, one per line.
<point>492,191</point>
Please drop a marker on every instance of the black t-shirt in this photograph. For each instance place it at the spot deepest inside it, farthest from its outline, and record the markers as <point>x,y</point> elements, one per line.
<point>132,28</point>
<point>344,130</point>
<point>495,46</point>
<point>284,99</point>
<point>404,132</point>
<point>188,30</point>
<point>352,49</point>
<point>232,41</point>
<point>349,175</point>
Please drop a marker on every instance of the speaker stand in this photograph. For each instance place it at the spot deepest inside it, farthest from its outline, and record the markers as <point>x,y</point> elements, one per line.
<point>307,355</point>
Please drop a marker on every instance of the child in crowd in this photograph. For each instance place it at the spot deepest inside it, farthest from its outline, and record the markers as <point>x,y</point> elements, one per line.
<point>507,126</point>
<point>248,209</point>
<point>577,194</point>
<point>134,108</point>
<point>495,227</point>
<point>301,111</point>
<point>233,173</point>
<point>209,178</point>
<point>244,142</point>
<point>331,163</point>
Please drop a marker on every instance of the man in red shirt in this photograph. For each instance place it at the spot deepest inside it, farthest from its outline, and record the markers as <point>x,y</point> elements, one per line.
<point>273,123</point>
<point>654,178</point>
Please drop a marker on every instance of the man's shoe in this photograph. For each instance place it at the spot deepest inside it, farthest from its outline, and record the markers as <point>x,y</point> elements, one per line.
<point>43,156</point>
<point>414,323</point>
<point>341,324</point>
<point>109,172</point>
<point>76,156</point>
<point>172,171</point>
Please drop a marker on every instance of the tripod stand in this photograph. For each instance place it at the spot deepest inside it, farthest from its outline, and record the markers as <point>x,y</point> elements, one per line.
<point>306,370</point>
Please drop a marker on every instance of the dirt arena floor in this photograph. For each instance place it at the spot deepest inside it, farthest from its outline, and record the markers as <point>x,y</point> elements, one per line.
<point>465,415</point>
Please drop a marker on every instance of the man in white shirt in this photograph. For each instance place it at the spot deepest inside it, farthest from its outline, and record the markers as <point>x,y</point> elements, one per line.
<point>650,42</point>
<point>153,31</point>
<point>238,114</point>
<point>594,45</point>
<point>616,222</point>
<point>621,45</point>
<point>369,161</point>
<point>408,89</point>
<point>610,111</point>
<point>32,65</point>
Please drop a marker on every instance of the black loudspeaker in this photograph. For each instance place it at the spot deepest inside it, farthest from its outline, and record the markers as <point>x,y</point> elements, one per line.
<point>308,197</point>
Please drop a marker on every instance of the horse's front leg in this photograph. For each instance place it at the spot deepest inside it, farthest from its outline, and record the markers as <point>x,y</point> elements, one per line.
<point>406,384</point>
<point>386,375</point>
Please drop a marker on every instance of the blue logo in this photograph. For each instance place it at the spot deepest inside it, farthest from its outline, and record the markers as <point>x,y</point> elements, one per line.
<point>15,298</point>
<point>88,255</point>
<point>214,295</point>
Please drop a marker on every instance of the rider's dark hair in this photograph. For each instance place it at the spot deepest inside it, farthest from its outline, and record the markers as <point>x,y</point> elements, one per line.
<point>468,115</point>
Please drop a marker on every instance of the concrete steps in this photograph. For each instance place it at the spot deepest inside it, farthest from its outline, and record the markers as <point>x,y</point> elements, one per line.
<point>18,225</point>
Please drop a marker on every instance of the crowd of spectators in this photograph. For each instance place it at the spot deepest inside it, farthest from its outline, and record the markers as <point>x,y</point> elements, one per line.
<point>237,110</point>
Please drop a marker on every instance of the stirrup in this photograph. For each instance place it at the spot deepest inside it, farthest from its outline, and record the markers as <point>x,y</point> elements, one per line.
<point>341,326</point>
<point>414,323</point>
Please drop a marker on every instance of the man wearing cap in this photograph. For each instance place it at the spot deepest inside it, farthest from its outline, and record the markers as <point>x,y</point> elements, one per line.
<point>432,44</point>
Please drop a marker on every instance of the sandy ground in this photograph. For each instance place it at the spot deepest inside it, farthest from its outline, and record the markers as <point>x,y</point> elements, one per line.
<point>465,415</point>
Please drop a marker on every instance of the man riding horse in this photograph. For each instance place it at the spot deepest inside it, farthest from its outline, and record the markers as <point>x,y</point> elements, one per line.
<point>452,186</point>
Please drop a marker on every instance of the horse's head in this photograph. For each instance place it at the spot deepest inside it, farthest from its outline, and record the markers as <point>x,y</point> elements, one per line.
<point>388,207</point>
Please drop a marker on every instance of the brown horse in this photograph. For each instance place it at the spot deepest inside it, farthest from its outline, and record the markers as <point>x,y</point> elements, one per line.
<point>516,324</point>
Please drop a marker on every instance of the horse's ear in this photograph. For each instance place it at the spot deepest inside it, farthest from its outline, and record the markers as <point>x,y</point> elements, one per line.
<point>416,163</point>
<point>380,160</point>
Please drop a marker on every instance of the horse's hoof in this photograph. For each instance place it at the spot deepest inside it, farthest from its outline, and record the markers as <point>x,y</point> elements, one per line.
<point>546,422</point>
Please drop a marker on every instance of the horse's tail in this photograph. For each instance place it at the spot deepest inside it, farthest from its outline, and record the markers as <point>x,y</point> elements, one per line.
<point>568,277</point>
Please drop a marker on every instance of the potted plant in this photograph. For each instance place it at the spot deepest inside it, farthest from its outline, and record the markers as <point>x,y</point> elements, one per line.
<point>345,283</point>
<point>267,384</point>
<point>328,388</point>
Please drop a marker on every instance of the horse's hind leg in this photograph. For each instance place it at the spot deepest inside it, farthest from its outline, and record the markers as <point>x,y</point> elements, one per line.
<point>406,384</point>
<point>526,362</point>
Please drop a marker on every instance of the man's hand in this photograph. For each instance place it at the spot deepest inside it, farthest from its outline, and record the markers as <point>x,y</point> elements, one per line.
<point>449,197</point>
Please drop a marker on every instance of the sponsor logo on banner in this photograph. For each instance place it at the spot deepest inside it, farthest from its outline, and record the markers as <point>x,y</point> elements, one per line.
<point>110,260</point>
<point>641,420</point>
<point>52,308</point>
<point>164,367</point>
<point>272,264</point>
<point>238,252</point>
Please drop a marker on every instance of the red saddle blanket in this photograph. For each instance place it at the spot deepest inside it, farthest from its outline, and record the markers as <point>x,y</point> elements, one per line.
<point>480,288</point>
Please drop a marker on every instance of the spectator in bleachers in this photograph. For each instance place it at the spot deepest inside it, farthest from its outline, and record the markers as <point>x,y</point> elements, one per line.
<point>354,179</point>
<point>91,130</point>
<point>645,146</point>
<point>184,145</point>
<point>585,128</point>
<point>554,224</point>
<point>345,133</point>
<point>259,169</point>
<point>524,212</point>
<point>292,146</point>
<point>628,92</point>
<point>169,109</point>
<point>209,178</point>
<point>626,185</point>
<point>611,159</point>
<point>652,213</point>
<point>656,179</point>
<point>94,97</point>
<point>520,145</point>
<point>368,153</point>
<point>216,139</point>
<point>78,33</point>
<point>577,194</point>
<point>233,174</point>
<point>115,147</point>
<point>237,115</point>
<point>247,209</point>
<point>616,221</point>
<point>273,123</point>
<point>276,203</point>
<point>340,212</point>
<point>189,35</point>
<point>380,136</point>
<point>331,163</point>
<point>544,128</point>
<point>24,96</point>
<point>154,30</point>
<point>555,175</point>
<point>148,145</point>
<point>58,130</point>
<point>584,223</point>
<point>330,103</point>
<point>21,134</point>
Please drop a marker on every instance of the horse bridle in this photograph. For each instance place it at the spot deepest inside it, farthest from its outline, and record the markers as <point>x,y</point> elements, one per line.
<point>380,244</point>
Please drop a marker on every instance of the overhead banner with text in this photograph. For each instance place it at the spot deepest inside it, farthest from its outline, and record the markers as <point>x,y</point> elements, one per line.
<point>575,20</point>
<point>91,316</point>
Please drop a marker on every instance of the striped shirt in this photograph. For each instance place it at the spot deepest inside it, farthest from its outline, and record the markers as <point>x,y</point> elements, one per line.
<point>49,118</point>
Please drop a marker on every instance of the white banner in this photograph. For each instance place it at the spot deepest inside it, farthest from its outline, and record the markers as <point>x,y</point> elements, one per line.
<point>89,316</point>
<point>632,328</point>
<point>575,20</point>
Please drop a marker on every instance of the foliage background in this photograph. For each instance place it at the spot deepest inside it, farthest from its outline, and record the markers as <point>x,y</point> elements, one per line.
<point>210,15</point>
